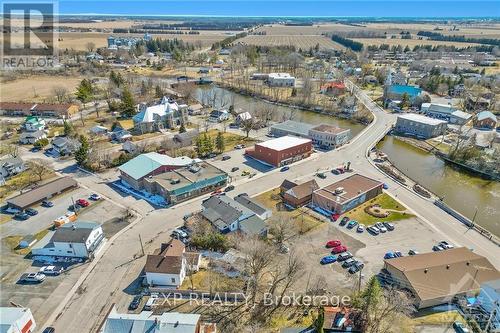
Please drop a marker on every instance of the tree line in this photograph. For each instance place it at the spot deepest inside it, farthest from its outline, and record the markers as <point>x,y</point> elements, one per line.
<point>349,43</point>
<point>454,38</point>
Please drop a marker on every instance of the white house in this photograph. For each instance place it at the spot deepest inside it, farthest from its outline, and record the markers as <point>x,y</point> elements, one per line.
<point>33,124</point>
<point>280,80</point>
<point>10,166</point>
<point>167,114</point>
<point>218,116</point>
<point>489,301</point>
<point>171,265</point>
<point>64,146</point>
<point>98,130</point>
<point>16,320</point>
<point>27,138</point>
<point>77,240</point>
<point>243,116</point>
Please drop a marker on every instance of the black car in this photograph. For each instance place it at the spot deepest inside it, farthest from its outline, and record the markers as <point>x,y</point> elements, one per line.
<point>49,329</point>
<point>31,211</point>
<point>229,188</point>
<point>47,204</point>
<point>389,226</point>
<point>234,169</point>
<point>21,216</point>
<point>348,263</point>
<point>344,221</point>
<point>135,303</point>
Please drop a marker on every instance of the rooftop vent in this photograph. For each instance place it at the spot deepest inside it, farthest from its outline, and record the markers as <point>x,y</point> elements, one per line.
<point>339,190</point>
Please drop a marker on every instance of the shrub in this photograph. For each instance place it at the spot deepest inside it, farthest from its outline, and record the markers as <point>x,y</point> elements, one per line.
<point>41,143</point>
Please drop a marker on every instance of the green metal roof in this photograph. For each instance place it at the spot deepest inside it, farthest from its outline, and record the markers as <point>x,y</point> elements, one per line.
<point>144,164</point>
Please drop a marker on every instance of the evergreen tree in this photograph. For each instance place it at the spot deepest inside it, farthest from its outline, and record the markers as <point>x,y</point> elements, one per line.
<point>69,130</point>
<point>182,128</point>
<point>405,100</point>
<point>82,153</point>
<point>127,103</point>
<point>220,142</point>
<point>84,91</point>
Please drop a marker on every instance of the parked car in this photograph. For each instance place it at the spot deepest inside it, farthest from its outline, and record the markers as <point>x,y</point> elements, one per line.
<point>333,243</point>
<point>240,146</point>
<point>245,173</point>
<point>460,328</point>
<point>32,277</point>
<point>344,221</point>
<point>389,255</point>
<point>344,256</point>
<point>284,249</point>
<point>234,125</point>
<point>445,245</point>
<point>212,155</point>
<point>335,172</point>
<point>47,204</point>
<point>321,175</point>
<point>348,263</point>
<point>389,226</point>
<point>385,186</point>
<point>49,329</point>
<point>51,270</point>
<point>149,304</point>
<point>437,248</point>
<point>82,203</point>
<point>356,267</point>
<point>21,216</point>
<point>31,211</point>
<point>328,260</point>
<point>339,249</point>
<point>135,302</point>
<point>373,230</point>
<point>229,188</point>
<point>398,254</point>
<point>285,168</point>
<point>361,228</point>
<point>352,224</point>
<point>380,226</point>
<point>95,197</point>
<point>233,169</point>
<point>216,192</point>
<point>270,135</point>
<point>226,157</point>
<point>179,234</point>
<point>412,252</point>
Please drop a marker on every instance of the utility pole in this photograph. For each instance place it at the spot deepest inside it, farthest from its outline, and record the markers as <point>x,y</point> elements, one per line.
<point>75,209</point>
<point>359,281</point>
<point>142,246</point>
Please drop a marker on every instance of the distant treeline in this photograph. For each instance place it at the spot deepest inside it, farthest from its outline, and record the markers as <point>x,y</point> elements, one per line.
<point>165,45</point>
<point>200,26</point>
<point>353,45</point>
<point>142,31</point>
<point>227,41</point>
<point>440,37</point>
<point>430,48</point>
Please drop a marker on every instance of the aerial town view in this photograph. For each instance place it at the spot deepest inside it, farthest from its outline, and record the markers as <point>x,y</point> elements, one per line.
<point>250,166</point>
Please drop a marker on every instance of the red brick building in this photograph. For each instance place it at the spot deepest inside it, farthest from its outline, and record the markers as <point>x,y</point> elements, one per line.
<point>281,151</point>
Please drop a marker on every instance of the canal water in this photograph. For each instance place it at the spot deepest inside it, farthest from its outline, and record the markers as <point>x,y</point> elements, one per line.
<point>461,191</point>
<point>250,104</point>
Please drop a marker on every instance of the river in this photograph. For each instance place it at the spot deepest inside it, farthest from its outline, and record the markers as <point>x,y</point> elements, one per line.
<point>251,104</point>
<point>461,191</point>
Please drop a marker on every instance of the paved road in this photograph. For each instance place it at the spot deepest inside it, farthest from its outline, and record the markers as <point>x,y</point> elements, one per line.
<point>111,279</point>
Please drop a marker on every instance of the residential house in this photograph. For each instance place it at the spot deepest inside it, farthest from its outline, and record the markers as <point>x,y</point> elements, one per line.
<point>242,117</point>
<point>27,138</point>
<point>261,211</point>
<point>187,138</point>
<point>34,124</point>
<point>280,80</point>
<point>370,79</point>
<point>119,134</point>
<point>9,167</point>
<point>98,130</point>
<point>195,109</point>
<point>147,322</point>
<point>167,114</point>
<point>14,109</point>
<point>16,320</point>
<point>62,146</point>
<point>218,116</point>
<point>225,52</point>
<point>436,278</point>
<point>228,215</point>
<point>333,88</point>
<point>297,195</point>
<point>76,240</point>
<point>420,126</point>
<point>489,300</point>
<point>486,120</point>
<point>170,265</point>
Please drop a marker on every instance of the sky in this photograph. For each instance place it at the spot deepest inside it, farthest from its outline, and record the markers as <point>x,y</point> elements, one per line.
<point>334,8</point>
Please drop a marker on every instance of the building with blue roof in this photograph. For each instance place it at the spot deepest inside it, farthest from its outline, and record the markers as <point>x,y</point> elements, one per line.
<point>395,92</point>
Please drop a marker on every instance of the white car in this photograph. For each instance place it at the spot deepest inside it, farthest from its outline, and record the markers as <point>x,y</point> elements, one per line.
<point>179,234</point>
<point>51,270</point>
<point>32,277</point>
<point>95,197</point>
<point>381,227</point>
<point>360,228</point>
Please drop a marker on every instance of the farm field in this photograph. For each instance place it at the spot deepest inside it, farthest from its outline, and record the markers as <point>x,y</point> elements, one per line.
<point>36,88</point>
<point>316,29</point>
<point>476,30</point>
<point>409,42</point>
<point>304,42</point>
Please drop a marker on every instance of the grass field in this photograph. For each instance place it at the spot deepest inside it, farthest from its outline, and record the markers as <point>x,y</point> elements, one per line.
<point>204,279</point>
<point>36,88</point>
<point>20,181</point>
<point>13,242</point>
<point>231,139</point>
<point>440,318</point>
<point>409,42</point>
<point>303,42</point>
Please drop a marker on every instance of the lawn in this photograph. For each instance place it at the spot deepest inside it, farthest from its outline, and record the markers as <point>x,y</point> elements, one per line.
<point>19,182</point>
<point>204,279</point>
<point>439,318</point>
<point>398,211</point>
<point>13,242</point>
<point>231,139</point>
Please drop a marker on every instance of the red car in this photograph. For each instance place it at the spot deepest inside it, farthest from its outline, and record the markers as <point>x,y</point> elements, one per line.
<point>82,202</point>
<point>335,217</point>
<point>217,192</point>
<point>339,249</point>
<point>333,243</point>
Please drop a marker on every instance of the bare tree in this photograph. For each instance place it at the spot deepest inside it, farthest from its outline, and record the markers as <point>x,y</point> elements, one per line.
<point>280,228</point>
<point>39,168</point>
<point>90,46</point>
<point>247,125</point>
<point>13,150</point>
<point>60,92</point>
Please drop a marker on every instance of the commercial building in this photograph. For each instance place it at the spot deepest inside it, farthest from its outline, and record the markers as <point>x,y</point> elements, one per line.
<point>76,240</point>
<point>435,278</point>
<point>485,119</point>
<point>170,265</point>
<point>134,171</point>
<point>43,192</point>
<point>397,92</point>
<point>489,300</point>
<point>298,195</point>
<point>291,127</point>
<point>280,80</point>
<point>419,126</point>
<point>166,114</point>
<point>328,136</point>
<point>16,320</point>
<point>228,215</point>
<point>147,322</point>
<point>183,183</point>
<point>65,110</point>
<point>445,112</point>
<point>346,194</point>
<point>281,151</point>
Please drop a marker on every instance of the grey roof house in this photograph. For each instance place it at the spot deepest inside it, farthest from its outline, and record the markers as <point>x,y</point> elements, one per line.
<point>31,137</point>
<point>10,166</point>
<point>64,146</point>
<point>261,211</point>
